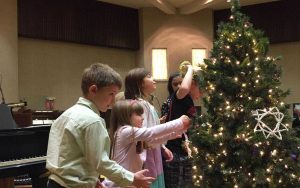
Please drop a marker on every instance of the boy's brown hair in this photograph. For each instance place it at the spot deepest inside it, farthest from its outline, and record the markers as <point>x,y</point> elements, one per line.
<point>100,75</point>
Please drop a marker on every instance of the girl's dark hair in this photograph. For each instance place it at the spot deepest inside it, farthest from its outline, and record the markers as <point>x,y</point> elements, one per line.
<point>120,115</point>
<point>133,83</point>
<point>170,88</point>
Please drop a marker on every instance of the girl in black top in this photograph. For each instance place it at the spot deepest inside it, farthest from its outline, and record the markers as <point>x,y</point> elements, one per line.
<point>178,173</point>
<point>173,84</point>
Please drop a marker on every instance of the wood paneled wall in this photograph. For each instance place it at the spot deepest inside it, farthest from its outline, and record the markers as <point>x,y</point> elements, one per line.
<point>280,20</point>
<point>80,21</point>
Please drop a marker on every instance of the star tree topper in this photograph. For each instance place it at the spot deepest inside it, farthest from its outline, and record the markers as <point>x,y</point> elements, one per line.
<point>266,130</point>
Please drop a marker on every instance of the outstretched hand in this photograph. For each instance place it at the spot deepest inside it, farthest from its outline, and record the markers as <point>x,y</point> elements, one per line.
<point>186,121</point>
<point>142,181</point>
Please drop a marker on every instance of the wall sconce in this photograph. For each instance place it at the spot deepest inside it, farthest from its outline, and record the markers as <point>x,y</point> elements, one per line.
<point>198,55</point>
<point>159,64</point>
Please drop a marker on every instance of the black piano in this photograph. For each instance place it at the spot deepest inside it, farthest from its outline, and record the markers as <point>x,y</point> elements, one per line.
<point>23,150</point>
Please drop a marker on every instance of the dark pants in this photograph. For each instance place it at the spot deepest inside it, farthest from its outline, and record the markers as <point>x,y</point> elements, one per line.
<point>178,173</point>
<point>53,184</point>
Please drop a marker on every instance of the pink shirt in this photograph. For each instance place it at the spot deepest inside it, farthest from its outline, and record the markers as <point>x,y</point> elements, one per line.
<point>124,152</point>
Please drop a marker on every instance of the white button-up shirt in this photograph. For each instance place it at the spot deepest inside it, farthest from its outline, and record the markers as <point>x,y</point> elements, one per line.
<point>78,149</point>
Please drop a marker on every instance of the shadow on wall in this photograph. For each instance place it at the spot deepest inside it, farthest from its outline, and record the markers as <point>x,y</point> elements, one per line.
<point>179,42</point>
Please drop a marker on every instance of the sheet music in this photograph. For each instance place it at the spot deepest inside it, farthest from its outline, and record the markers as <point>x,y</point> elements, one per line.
<point>42,122</point>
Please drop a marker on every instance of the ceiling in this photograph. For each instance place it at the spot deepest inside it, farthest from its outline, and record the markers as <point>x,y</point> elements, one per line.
<point>181,6</point>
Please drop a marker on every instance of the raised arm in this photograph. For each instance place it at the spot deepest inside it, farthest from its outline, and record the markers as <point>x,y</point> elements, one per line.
<point>186,83</point>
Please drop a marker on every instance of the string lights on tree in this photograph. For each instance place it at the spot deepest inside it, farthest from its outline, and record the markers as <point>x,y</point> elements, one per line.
<point>243,139</point>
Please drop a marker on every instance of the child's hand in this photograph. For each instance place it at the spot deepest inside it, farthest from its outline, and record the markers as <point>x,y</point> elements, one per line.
<point>99,185</point>
<point>140,180</point>
<point>184,66</point>
<point>189,66</point>
<point>196,69</point>
<point>163,119</point>
<point>186,121</point>
<point>168,155</point>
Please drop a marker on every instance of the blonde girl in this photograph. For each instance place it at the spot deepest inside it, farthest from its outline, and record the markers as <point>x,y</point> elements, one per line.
<point>140,85</point>
<point>130,139</point>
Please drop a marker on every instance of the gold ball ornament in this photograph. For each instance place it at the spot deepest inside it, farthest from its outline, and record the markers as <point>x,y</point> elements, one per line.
<point>183,67</point>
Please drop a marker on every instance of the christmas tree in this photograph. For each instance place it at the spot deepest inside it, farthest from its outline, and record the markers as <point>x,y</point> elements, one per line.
<point>245,138</point>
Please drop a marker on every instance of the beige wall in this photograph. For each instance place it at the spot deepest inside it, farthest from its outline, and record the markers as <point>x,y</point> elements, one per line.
<point>33,69</point>
<point>290,64</point>
<point>49,68</point>
<point>178,34</point>
<point>9,50</point>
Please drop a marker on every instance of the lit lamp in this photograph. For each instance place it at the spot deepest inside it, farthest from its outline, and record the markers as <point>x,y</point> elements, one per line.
<point>159,64</point>
<point>198,55</point>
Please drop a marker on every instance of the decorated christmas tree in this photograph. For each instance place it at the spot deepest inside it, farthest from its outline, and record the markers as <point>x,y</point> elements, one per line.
<point>245,138</point>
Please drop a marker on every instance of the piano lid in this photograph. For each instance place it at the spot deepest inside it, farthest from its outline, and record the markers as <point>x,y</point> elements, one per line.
<point>18,104</point>
<point>23,143</point>
<point>6,119</point>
